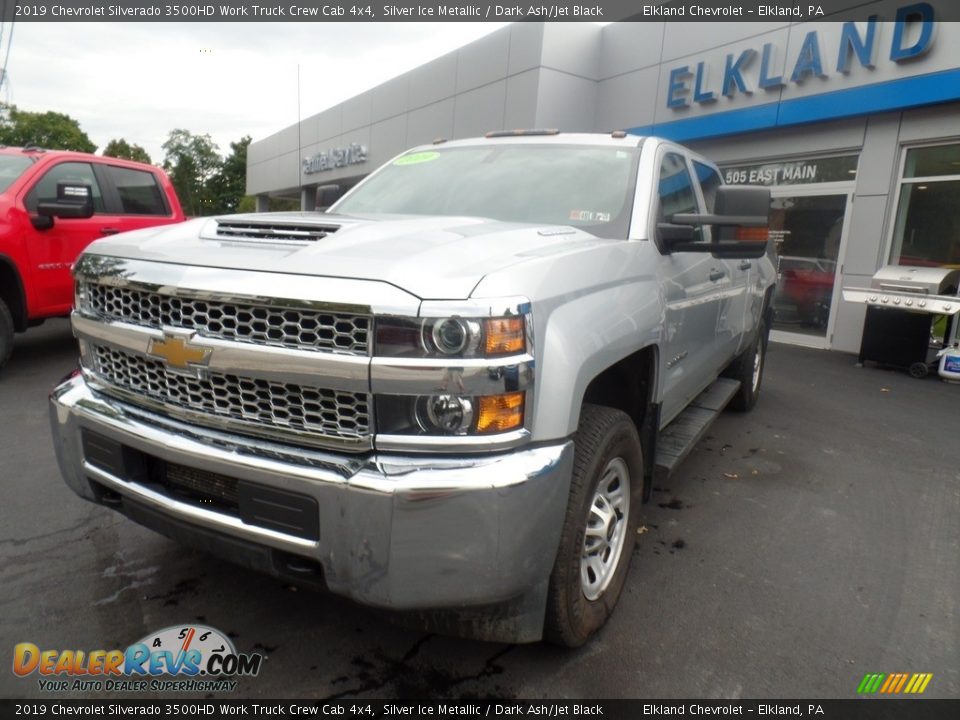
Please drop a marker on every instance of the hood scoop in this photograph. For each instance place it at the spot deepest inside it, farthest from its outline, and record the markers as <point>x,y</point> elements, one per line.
<point>285,233</point>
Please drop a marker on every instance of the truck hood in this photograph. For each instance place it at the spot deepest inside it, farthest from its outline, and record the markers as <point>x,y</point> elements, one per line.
<point>430,257</point>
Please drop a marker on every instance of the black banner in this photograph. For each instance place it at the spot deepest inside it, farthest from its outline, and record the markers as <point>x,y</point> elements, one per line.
<point>457,10</point>
<point>861,709</point>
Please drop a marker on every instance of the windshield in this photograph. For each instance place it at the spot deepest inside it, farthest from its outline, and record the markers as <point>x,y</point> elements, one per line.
<point>589,187</point>
<point>11,167</point>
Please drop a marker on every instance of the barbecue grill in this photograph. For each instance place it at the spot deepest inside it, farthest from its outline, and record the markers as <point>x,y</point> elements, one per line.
<point>902,303</point>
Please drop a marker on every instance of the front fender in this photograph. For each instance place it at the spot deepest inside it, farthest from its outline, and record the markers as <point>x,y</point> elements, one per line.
<point>584,336</point>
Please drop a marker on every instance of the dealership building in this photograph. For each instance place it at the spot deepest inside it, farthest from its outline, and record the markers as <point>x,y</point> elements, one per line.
<point>854,126</point>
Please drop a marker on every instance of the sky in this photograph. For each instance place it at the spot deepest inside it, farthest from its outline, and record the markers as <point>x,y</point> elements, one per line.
<point>139,81</point>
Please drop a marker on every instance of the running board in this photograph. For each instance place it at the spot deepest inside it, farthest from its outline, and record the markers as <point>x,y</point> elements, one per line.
<point>678,438</point>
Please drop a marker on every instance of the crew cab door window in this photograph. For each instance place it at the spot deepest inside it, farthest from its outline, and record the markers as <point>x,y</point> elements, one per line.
<point>138,191</point>
<point>675,189</point>
<point>709,182</point>
<point>69,172</point>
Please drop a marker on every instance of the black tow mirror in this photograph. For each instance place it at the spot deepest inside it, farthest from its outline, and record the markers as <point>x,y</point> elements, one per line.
<point>74,200</point>
<point>741,221</point>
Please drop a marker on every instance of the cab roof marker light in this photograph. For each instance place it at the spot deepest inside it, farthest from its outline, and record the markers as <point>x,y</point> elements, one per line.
<point>521,133</point>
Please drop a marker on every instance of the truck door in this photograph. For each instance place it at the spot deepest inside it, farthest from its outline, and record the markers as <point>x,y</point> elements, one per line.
<point>693,283</point>
<point>123,199</point>
<point>53,251</point>
<point>734,299</point>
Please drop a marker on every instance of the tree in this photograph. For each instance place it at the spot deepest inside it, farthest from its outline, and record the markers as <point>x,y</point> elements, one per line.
<point>51,130</point>
<point>122,149</point>
<point>192,162</point>
<point>229,185</point>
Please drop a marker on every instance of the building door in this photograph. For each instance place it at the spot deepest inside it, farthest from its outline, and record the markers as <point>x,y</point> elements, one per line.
<point>808,230</point>
<point>809,200</point>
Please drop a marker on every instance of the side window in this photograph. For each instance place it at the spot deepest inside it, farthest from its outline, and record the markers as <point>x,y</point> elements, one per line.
<point>675,187</point>
<point>139,192</point>
<point>70,172</point>
<point>709,182</point>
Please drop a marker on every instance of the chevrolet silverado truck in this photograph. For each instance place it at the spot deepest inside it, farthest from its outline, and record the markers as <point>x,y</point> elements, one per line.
<point>42,233</point>
<point>446,396</point>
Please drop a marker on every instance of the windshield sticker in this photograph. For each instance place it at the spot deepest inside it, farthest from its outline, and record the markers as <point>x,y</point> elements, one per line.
<point>589,216</point>
<point>417,158</point>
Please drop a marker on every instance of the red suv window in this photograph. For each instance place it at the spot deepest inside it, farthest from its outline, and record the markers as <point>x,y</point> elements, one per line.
<point>71,172</point>
<point>139,192</point>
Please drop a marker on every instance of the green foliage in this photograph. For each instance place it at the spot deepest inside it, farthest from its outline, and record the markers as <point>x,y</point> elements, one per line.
<point>228,186</point>
<point>192,162</point>
<point>122,149</point>
<point>284,204</point>
<point>50,130</point>
<point>206,183</point>
<point>248,204</point>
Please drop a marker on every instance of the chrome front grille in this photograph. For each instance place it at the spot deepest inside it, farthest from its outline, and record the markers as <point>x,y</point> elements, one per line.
<point>299,329</point>
<point>241,402</point>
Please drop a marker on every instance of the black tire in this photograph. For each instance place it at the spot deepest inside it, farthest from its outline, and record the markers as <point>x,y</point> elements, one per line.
<point>748,369</point>
<point>6,333</point>
<point>919,370</point>
<point>606,445</point>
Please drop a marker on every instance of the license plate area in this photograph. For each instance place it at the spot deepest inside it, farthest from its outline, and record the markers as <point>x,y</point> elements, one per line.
<point>255,504</point>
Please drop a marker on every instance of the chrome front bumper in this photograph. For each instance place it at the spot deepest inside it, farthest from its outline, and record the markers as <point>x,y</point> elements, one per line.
<point>395,531</point>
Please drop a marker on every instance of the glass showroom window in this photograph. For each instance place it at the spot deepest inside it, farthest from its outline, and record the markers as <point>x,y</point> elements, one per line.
<point>927,231</point>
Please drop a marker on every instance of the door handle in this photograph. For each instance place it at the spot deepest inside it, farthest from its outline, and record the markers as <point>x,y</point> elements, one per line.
<point>745,264</point>
<point>716,274</point>
<point>109,231</point>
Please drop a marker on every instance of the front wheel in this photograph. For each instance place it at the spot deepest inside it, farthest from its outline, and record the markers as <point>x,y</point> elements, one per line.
<point>600,527</point>
<point>748,369</point>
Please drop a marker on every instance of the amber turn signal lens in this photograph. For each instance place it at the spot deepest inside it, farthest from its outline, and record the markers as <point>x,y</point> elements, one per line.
<point>753,234</point>
<point>504,336</point>
<point>499,413</point>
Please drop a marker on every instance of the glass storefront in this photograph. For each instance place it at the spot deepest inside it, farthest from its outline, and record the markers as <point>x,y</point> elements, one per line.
<point>808,209</point>
<point>927,230</point>
<point>806,233</point>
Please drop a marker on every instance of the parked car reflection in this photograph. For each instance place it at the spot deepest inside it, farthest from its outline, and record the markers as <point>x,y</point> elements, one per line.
<point>804,290</point>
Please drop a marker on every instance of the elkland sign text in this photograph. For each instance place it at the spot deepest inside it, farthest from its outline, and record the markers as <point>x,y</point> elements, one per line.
<point>912,37</point>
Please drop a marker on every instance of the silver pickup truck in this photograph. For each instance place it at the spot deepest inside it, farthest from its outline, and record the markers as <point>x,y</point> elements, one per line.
<point>447,395</point>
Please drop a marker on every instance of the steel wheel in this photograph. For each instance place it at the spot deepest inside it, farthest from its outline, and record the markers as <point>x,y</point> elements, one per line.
<point>748,369</point>
<point>757,370</point>
<point>606,529</point>
<point>600,526</point>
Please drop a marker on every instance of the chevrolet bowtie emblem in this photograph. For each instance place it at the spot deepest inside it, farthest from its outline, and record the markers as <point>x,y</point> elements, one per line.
<point>178,352</point>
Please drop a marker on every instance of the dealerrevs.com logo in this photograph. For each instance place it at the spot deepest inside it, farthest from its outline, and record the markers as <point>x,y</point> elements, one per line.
<point>183,658</point>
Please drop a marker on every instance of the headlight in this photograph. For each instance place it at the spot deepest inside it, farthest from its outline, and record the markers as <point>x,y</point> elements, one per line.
<point>444,414</point>
<point>450,337</point>
<point>449,414</point>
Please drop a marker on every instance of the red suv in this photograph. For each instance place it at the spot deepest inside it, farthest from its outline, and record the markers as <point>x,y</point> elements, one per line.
<point>52,205</point>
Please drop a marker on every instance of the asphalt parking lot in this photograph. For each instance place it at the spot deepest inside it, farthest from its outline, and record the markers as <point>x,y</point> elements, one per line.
<point>801,546</point>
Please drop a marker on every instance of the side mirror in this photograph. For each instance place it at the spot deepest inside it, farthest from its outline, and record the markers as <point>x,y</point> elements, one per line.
<point>74,200</point>
<point>740,220</point>
<point>326,196</point>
